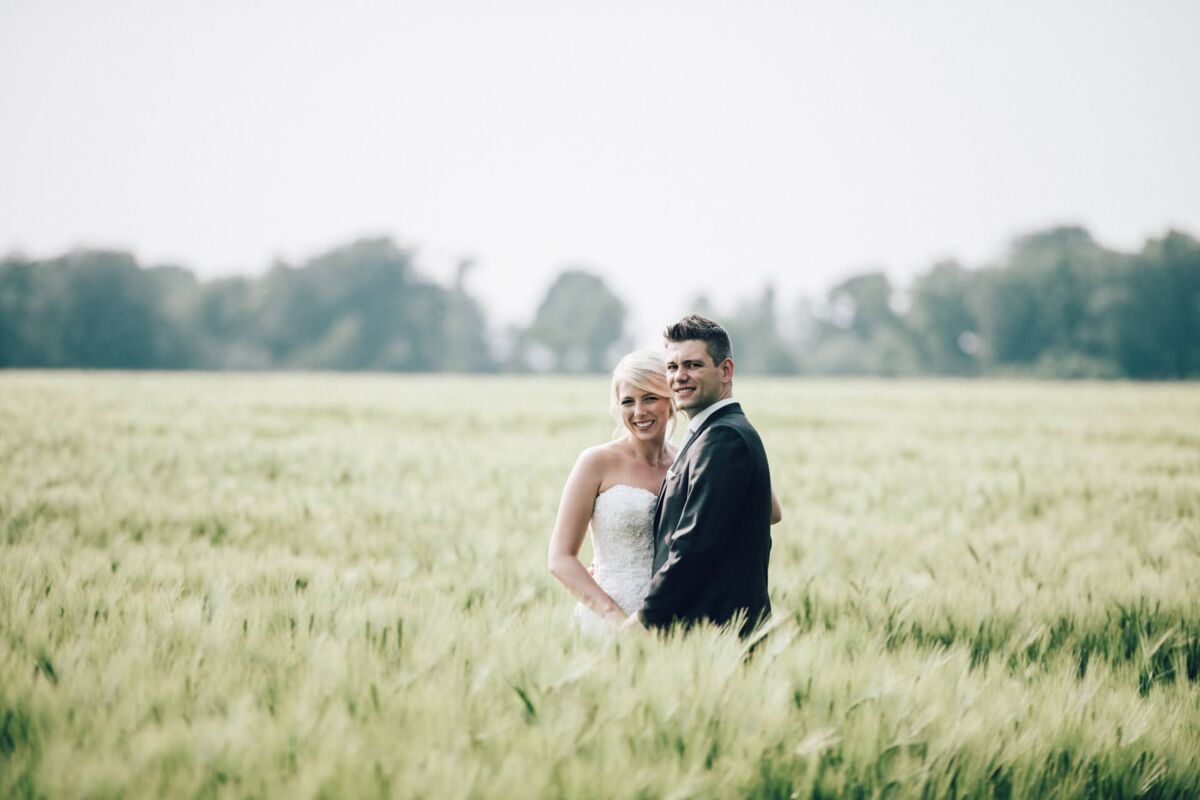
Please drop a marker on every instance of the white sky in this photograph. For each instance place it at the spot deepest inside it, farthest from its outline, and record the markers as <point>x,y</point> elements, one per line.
<point>675,147</point>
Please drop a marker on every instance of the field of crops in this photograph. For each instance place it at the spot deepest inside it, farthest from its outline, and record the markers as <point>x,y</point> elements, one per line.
<point>325,585</point>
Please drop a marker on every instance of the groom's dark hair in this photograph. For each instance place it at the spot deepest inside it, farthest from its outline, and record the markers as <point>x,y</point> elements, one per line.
<point>694,326</point>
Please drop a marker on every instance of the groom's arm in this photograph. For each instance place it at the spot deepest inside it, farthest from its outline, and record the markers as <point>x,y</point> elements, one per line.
<point>718,483</point>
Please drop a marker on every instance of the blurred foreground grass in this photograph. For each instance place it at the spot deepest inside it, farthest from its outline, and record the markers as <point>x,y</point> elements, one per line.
<point>303,585</point>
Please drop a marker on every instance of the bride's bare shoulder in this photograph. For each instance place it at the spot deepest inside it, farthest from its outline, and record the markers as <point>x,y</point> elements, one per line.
<point>591,469</point>
<point>603,455</point>
<point>605,462</point>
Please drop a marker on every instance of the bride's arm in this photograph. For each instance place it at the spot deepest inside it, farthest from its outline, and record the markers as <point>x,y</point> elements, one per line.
<point>570,528</point>
<point>776,509</point>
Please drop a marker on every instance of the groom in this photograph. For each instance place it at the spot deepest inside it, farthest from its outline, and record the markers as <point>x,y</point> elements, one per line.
<point>713,518</point>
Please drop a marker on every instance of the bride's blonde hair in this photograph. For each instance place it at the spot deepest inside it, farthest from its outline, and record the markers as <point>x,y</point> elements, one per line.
<point>645,371</point>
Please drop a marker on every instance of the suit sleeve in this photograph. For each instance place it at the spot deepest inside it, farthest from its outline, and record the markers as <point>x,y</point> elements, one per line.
<point>718,482</point>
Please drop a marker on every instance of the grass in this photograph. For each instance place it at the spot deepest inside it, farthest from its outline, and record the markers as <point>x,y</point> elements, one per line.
<point>327,586</point>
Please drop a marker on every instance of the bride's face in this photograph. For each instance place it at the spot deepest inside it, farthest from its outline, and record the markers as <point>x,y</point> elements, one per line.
<point>645,414</point>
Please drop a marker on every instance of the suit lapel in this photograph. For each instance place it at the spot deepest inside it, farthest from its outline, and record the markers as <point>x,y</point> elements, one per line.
<point>683,452</point>
<point>661,537</point>
<point>703,427</point>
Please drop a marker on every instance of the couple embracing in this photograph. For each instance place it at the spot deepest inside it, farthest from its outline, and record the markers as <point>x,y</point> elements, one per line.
<point>680,536</point>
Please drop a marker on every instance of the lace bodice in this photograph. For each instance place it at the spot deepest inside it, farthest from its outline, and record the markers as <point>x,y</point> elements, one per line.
<point>622,539</point>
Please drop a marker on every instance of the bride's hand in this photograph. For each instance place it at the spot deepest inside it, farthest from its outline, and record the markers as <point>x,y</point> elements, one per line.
<point>615,617</point>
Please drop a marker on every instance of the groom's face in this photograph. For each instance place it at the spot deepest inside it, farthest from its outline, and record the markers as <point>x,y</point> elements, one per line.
<point>696,382</point>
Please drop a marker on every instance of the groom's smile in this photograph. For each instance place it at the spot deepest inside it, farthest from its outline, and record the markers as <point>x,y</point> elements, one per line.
<point>695,380</point>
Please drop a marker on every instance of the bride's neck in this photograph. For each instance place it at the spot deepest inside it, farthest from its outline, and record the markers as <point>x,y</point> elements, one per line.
<point>650,453</point>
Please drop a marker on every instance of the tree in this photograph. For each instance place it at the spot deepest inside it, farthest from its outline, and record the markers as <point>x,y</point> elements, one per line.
<point>360,306</point>
<point>464,329</point>
<point>223,322</point>
<point>861,333</point>
<point>578,321</point>
<point>758,347</point>
<point>19,337</point>
<point>941,319</point>
<point>1042,305</point>
<point>101,310</point>
<point>863,304</point>
<point>1159,333</point>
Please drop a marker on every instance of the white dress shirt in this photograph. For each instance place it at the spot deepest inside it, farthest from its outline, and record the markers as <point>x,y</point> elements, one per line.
<point>695,422</point>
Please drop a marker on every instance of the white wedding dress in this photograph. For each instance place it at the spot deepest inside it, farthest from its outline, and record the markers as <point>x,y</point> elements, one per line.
<point>623,544</point>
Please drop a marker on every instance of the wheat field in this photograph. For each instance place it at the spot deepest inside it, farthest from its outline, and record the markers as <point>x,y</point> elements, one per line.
<point>335,586</point>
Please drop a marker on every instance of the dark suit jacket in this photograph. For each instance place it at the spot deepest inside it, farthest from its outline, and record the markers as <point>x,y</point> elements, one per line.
<point>712,529</point>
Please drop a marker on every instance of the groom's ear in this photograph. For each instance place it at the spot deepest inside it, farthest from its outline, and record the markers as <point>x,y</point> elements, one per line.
<point>727,370</point>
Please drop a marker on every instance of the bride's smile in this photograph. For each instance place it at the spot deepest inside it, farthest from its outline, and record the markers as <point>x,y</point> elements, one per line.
<point>643,413</point>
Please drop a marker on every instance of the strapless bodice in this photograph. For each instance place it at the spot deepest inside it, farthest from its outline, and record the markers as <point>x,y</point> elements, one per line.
<point>623,543</point>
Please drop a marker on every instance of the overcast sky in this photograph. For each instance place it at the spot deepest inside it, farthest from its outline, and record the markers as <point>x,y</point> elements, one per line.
<point>675,147</point>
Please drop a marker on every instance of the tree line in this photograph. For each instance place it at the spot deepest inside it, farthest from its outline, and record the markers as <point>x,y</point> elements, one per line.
<point>1057,305</point>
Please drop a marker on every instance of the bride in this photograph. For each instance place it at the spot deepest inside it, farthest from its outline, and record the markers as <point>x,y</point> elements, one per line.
<point>615,486</point>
